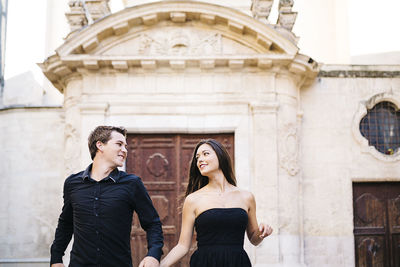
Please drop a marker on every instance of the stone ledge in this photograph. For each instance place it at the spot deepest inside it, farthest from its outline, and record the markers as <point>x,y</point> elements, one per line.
<point>360,71</point>
<point>60,69</point>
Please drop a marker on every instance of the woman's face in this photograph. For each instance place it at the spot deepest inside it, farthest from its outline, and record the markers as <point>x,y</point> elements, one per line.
<point>207,160</point>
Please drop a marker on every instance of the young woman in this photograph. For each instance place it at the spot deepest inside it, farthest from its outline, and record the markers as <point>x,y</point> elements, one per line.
<point>219,211</point>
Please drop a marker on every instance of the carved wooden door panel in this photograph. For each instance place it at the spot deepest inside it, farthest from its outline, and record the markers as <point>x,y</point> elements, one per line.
<point>377,224</point>
<point>162,161</point>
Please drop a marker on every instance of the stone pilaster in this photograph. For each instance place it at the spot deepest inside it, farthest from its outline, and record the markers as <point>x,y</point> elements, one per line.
<point>72,132</point>
<point>289,174</point>
<point>265,177</point>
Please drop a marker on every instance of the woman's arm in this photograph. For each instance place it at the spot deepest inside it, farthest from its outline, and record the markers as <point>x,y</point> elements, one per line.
<point>185,238</point>
<point>255,232</point>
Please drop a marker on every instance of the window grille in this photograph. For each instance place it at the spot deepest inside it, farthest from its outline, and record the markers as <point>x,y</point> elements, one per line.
<point>381,127</point>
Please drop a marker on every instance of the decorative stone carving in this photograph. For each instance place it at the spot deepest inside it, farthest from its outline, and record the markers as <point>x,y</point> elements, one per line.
<point>286,17</point>
<point>72,151</point>
<point>180,42</point>
<point>76,17</point>
<point>97,8</point>
<point>289,148</point>
<point>261,8</point>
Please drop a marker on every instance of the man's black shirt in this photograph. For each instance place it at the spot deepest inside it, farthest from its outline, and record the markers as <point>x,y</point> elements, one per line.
<point>99,215</point>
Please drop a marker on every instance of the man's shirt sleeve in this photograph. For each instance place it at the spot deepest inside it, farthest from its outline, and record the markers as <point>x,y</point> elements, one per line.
<point>64,229</point>
<point>149,220</point>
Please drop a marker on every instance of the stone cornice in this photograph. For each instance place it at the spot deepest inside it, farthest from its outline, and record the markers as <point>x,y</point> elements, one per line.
<point>360,71</point>
<point>59,69</point>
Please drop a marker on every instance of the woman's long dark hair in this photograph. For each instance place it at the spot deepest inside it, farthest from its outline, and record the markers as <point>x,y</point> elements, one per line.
<point>196,180</point>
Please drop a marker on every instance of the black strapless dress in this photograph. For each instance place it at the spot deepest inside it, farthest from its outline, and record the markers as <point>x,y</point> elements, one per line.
<point>220,237</point>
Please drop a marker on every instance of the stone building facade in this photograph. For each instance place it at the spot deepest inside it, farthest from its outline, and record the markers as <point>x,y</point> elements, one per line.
<point>194,68</point>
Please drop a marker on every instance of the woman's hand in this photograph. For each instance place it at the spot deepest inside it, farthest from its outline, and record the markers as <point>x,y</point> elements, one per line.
<point>149,261</point>
<point>265,230</point>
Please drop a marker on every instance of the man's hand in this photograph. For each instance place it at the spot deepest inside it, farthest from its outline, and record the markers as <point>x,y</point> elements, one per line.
<point>57,265</point>
<point>149,262</point>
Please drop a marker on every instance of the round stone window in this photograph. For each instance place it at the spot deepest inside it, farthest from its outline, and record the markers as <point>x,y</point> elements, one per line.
<point>381,127</point>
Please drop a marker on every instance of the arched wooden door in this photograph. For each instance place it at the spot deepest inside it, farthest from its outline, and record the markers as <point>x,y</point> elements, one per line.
<point>162,161</point>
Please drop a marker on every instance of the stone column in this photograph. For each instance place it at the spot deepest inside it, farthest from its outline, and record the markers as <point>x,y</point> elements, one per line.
<point>72,149</point>
<point>289,175</point>
<point>265,177</point>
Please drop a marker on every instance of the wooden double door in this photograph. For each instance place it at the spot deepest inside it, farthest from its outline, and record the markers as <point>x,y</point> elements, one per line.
<point>162,161</point>
<point>377,224</point>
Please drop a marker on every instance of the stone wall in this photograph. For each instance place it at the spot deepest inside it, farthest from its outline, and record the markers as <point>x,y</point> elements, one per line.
<point>31,180</point>
<point>332,156</point>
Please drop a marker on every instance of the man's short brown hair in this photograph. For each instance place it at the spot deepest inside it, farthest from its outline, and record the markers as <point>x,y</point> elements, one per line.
<point>102,134</point>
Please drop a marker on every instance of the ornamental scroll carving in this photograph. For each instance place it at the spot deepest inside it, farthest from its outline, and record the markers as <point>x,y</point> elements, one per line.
<point>72,151</point>
<point>180,42</point>
<point>289,148</point>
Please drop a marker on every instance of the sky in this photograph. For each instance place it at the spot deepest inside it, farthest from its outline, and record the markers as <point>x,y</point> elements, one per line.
<point>374,26</point>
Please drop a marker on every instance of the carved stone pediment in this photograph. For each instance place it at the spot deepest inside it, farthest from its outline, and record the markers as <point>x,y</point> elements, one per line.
<point>173,41</point>
<point>175,34</point>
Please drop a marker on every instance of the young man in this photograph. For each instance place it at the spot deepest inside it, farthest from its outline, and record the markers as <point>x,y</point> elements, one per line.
<point>98,207</point>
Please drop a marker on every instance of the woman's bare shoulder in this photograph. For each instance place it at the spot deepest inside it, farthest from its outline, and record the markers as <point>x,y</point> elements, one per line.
<point>245,194</point>
<point>192,198</point>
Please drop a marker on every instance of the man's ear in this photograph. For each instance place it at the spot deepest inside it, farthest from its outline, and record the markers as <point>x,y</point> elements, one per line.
<point>99,145</point>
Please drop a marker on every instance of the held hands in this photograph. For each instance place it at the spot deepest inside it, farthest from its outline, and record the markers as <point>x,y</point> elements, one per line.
<point>149,261</point>
<point>265,230</point>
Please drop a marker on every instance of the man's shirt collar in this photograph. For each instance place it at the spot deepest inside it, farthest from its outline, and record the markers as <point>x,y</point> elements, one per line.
<point>114,175</point>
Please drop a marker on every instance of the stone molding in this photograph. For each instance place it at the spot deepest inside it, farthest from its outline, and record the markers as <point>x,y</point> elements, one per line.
<point>264,107</point>
<point>359,71</point>
<point>224,18</point>
<point>60,69</point>
<point>361,112</point>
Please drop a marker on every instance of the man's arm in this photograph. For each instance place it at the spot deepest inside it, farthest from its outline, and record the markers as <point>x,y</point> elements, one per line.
<point>64,229</point>
<point>149,220</point>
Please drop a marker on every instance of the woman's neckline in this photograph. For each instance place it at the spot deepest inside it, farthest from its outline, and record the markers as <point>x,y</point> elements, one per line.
<point>207,210</point>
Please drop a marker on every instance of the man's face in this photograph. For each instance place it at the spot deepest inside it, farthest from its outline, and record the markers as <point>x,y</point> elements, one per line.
<point>115,150</point>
